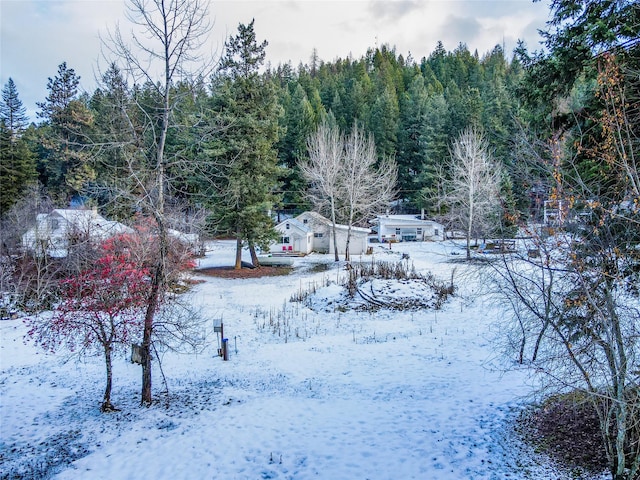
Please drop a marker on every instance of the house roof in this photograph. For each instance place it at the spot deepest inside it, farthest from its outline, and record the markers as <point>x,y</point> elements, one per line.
<point>84,219</point>
<point>295,223</point>
<point>404,220</point>
<point>325,221</point>
<point>315,216</point>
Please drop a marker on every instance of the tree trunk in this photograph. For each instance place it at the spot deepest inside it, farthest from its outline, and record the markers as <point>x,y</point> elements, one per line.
<point>155,296</point>
<point>333,229</point>
<point>346,244</point>
<point>145,347</point>
<point>335,243</point>
<point>238,264</point>
<point>254,255</point>
<point>106,402</point>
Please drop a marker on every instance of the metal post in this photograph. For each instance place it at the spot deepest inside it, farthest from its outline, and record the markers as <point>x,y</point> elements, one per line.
<point>225,349</point>
<point>217,327</point>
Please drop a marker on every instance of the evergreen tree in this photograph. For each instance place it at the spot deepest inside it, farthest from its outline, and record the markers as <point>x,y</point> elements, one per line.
<point>63,89</point>
<point>111,105</point>
<point>383,122</point>
<point>436,139</point>
<point>292,146</point>
<point>17,167</point>
<point>17,161</point>
<point>64,168</point>
<point>412,142</point>
<point>245,151</point>
<point>12,112</point>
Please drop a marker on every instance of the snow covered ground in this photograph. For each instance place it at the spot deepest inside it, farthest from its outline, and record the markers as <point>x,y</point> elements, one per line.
<point>328,393</point>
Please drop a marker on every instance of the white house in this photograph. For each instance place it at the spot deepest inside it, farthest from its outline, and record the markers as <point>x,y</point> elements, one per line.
<point>407,228</point>
<point>323,235</point>
<point>295,237</point>
<point>54,232</point>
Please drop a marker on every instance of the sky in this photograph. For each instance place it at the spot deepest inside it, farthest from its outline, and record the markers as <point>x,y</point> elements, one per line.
<point>38,35</point>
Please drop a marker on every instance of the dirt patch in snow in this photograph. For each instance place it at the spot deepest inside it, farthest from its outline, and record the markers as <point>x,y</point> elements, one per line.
<point>566,428</point>
<point>230,272</point>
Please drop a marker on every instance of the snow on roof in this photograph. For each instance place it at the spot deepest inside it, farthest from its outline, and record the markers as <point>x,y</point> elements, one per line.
<point>91,219</point>
<point>404,219</point>
<point>189,238</point>
<point>316,216</point>
<point>296,223</point>
<point>325,221</point>
<point>76,214</point>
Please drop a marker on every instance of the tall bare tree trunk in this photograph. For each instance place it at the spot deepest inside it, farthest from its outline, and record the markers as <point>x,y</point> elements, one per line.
<point>346,243</point>
<point>334,231</point>
<point>152,306</point>
<point>170,35</point>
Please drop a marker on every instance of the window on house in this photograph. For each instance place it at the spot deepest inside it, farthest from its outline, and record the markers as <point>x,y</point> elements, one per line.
<point>318,235</point>
<point>305,221</point>
<point>419,231</point>
<point>436,232</point>
<point>287,226</point>
<point>54,223</point>
<point>284,239</point>
<point>397,231</point>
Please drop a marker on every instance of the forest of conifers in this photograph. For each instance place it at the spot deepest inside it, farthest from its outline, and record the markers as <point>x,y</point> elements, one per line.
<point>414,108</point>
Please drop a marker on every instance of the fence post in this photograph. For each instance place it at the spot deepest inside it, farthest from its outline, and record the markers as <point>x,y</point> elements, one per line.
<point>225,349</point>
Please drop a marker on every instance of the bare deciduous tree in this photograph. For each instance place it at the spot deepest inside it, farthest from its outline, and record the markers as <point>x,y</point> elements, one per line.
<point>470,191</point>
<point>369,186</point>
<point>26,276</point>
<point>323,171</point>
<point>160,52</point>
<point>574,293</point>
<point>345,179</point>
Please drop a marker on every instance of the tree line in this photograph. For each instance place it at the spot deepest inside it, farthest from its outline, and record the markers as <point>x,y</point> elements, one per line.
<point>412,109</point>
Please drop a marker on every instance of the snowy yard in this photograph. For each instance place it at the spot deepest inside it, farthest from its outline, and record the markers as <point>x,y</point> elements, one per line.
<point>327,393</point>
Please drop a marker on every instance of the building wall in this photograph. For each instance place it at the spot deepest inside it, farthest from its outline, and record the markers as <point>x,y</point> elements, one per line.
<point>300,242</point>
<point>404,231</point>
<point>323,236</point>
<point>322,239</point>
<point>358,243</point>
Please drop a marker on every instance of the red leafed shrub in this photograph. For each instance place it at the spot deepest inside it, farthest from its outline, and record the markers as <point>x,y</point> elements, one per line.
<point>142,246</point>
<point>100,309</point>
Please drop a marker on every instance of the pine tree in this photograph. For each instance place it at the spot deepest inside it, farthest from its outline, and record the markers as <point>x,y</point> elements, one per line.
<point>412,127</point>
<point>17,167</point>
<point>17,161</point>
<point>12,111</point>
<point>248,172</point>
<point>292,146</point>
<point>383,122</point>
<point>64,167</point>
